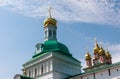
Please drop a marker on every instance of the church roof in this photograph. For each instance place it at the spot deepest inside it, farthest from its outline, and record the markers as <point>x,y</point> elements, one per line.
<point>18,76</point>
<point>23,77</point>
<point>53,46</point>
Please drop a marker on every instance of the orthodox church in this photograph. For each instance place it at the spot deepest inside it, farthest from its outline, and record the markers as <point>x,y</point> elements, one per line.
<point>52,60</point>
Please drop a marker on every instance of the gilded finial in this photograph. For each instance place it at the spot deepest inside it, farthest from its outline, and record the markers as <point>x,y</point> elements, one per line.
<point>108,55</point>
<point>95,41</point>
<point>87,50</point>
<point>101,45</point>
<point>107,47</point>
<point>49,10</point>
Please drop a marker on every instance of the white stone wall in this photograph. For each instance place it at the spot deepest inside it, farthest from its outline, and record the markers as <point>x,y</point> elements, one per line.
<point>65,67</point>
<point>53,66</point>
<point>40,66</point>
<point>113,73</point>
<point>102,74</point>
<point>89,76</point>
<point>46,76</point>
<point>39,69</point>
<point>58,75</point>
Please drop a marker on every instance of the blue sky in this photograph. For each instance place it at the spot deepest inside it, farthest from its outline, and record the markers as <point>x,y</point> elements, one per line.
<point>79,22</point>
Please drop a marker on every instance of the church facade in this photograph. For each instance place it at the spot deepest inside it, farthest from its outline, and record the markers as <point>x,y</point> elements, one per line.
<point>52,60</point>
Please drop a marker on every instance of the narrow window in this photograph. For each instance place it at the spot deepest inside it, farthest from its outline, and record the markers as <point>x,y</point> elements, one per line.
<point>81,77</point>
<point>50,32</point>
<point>54,32</point>
<point>117,70</point>
<point>35,72</point>
<point>94,75</point>
<point>42,69</point>
<point>109,72</point>
<point>29,73</point>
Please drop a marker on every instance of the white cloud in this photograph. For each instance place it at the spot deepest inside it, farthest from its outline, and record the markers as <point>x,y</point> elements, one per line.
<point>93,11</point>
<point>115,51</point>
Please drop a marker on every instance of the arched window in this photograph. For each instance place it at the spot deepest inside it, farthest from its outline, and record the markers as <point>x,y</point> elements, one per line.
<point>35,72</point>
<point>109,72</point>
<point>41,69</point>
<point>54,33</point>
<point>29,73</point>
<point>50,32</point>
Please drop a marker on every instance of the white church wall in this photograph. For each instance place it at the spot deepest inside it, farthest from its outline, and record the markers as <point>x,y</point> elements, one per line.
<point>110,73</point>
<point>115,72</point>
<point>89,76</point>
<point>38,60</point>
<point>39,67</point>
<point>45,76</point>
<point>58,75</point>
<point>63,66</point>
<point>104,74</point>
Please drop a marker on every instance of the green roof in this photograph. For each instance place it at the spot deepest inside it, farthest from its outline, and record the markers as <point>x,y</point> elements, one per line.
<point>24,77</point>
<point>53,46</point>
<point>19,76</point>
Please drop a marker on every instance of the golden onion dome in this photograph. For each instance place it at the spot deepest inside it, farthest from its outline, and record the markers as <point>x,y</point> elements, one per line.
<point>50,21</point>
<point>108,55</point>
<point>101,51</point>
<point>87,56</point>
<point>96,48</point>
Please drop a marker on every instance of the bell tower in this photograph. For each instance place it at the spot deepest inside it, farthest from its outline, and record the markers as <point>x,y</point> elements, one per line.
<point>50,28</point>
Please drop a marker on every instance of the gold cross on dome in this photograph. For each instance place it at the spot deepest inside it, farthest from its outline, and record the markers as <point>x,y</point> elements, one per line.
<point>87,49</point>
<point>107,46</point>
<point>49,10</point>
<point>95,40</point>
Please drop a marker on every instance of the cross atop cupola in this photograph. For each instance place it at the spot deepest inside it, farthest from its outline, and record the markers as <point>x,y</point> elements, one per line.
<point>50,27</point>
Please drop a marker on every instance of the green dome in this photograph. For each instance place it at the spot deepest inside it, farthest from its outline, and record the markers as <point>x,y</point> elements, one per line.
<point>53,46</point>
